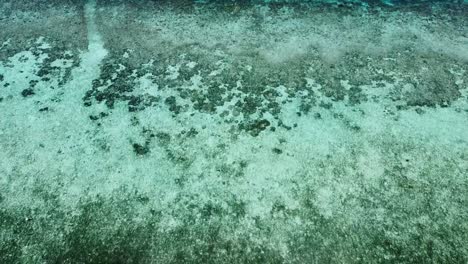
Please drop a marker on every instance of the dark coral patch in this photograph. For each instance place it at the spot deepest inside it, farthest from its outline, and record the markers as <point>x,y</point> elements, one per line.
<point>255,127</point>
<point>116,84</point>
<point>27,92</point>
<point>140,150</point>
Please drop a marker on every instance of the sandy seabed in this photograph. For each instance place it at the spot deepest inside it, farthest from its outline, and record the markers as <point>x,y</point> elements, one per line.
<point>177,132</point>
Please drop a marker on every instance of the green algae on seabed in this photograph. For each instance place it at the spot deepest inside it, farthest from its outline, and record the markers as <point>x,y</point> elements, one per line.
<point>179,132</point>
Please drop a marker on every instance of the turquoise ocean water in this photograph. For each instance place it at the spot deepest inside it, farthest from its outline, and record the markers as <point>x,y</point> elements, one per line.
<point>139,131</point>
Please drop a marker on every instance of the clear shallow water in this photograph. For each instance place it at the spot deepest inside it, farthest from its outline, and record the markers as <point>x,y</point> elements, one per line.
<point>181,132</point>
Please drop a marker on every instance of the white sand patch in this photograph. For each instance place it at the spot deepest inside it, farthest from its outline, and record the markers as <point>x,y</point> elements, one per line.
<point>173,72</point>
<point>146,86</point>
<point>53,144</point>
<point>287,50</point>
